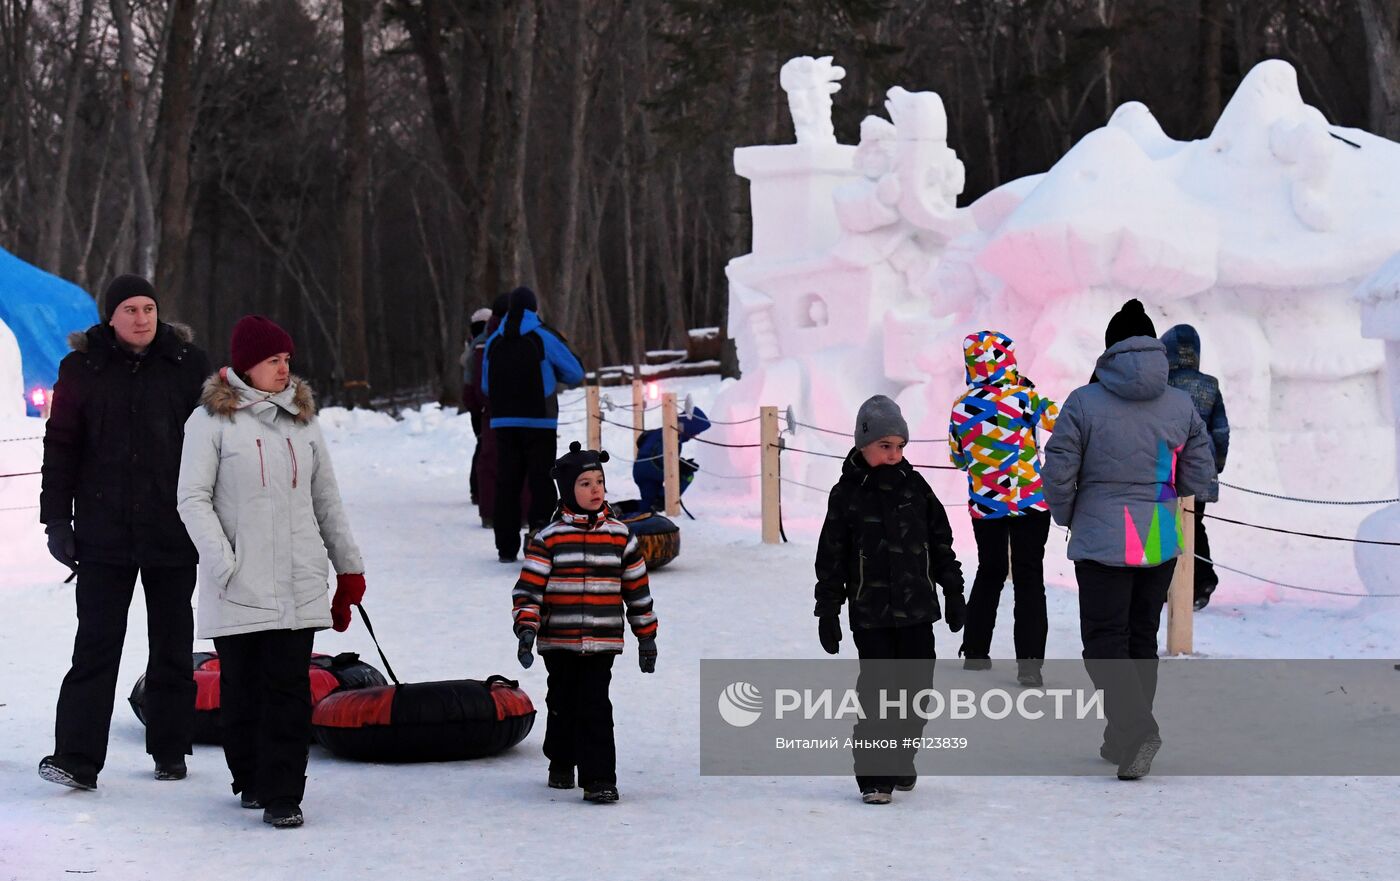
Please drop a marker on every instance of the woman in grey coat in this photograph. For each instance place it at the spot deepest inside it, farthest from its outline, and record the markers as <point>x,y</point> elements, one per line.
<point>1125,448</point>
<point>259,498</point>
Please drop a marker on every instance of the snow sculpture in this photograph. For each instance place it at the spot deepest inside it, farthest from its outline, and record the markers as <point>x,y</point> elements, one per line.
<point>810,83</point>
<point>865,274</point>
<point>1379,296</point>
<point>11,376</point>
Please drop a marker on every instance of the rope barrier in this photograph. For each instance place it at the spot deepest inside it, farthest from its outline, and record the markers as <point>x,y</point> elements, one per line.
<point>734,422</point>
<point>22,508</point>
<point>1362,541</point>
<point>937,440</point>
<point>701,440</point>
<point>811,453</point>
<point>11,440</point>
<point>22,474</point>
<point>1259,492</point>
<point>815,489</point>
<point>1336,593</point>
<point>727,476</point>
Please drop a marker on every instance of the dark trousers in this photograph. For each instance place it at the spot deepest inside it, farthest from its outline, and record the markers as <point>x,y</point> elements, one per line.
<point>85,700</point>
<point>1026,534</point>
<point>1205,577</point>
<point>265,712</point>
<point>880,768</point>
<point>524,456</point>
<point>476,452</point>
<point>579,728</point>
<point>1120,610</point>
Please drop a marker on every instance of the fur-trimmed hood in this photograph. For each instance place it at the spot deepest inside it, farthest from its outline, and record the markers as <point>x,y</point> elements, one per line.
<point>225,393</point>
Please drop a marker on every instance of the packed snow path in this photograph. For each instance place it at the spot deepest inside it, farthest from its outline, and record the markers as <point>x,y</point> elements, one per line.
<point>441,604</point>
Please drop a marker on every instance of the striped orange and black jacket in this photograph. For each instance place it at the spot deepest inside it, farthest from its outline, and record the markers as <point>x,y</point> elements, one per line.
<point>580,575</point>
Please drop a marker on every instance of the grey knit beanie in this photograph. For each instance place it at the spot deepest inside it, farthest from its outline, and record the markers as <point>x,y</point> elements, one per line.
<point>879,417</point>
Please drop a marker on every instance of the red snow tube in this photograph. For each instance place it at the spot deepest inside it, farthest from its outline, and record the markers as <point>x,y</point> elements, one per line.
<point>328,675</point>
<point>425,721</point>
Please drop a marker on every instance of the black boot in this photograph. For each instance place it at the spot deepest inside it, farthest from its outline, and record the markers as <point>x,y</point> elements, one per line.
<point>69,771</point>
<point>561,779</point>
<point>171,768</point>
<point>283,816</point>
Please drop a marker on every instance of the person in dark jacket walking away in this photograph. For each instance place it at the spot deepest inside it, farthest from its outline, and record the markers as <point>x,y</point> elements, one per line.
<point>583,572</point>
<point>259,496</point>
<point>992,436</point>
<point>1183,345</point>
<point>885,543</point>
<point>111,464</point>
<point>523,367</point>
<point>473,401</point>
<point>1125,448</point>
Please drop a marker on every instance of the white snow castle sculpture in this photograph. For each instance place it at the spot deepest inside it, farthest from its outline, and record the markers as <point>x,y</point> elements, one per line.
<point>865,275</point>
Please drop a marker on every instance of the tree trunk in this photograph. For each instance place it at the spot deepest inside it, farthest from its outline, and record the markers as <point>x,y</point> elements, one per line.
<point>1213,14</point>
<point>51,248</point>
<point>353,343</point>
<point>145,256</point>
<point>585,53</point>
<point>519,85</point>
<point>176,126</point>
<point>1381,21</point>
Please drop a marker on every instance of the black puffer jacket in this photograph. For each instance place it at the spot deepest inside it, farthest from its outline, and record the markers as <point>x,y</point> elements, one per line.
<point>885,543</point>
<point>112,446</point>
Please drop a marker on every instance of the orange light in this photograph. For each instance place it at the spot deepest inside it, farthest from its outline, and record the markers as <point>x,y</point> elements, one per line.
<point>653,390</point>
<point>37,397</point>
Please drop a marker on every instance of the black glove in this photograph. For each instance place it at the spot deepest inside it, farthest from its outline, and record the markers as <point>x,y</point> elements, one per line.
<point>527,642</point>
<point>646,655</point>
<point>829,632</point>
<point>62,545</point>
<point>954,610</point>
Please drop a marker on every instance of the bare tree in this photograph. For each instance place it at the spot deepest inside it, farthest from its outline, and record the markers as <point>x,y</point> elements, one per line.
<point>1381,21</point>
<point>135,138</point>
<point>176,126</point>
<point>51,247</point>
<point>354,343</point>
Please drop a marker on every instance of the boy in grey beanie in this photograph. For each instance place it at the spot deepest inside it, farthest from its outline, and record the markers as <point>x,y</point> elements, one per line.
<point>885,542</point>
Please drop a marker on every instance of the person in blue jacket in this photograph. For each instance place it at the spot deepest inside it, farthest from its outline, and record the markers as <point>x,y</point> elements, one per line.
<point>649,472</point>
<point>525,364</point>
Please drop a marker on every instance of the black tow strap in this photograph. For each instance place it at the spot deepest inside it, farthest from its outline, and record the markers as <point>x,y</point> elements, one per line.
<point>370,627</point>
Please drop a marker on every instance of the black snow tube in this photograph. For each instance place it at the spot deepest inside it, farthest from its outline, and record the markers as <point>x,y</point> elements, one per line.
<point>425,721</point>
<point>659,536</point>
<point>328,675</point>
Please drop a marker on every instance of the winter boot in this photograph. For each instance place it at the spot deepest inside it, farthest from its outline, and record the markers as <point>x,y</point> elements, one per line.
<point>873,796</point>
<point>971,663</point>
<point>904,784</point>
<point>249,801</point>
<point>68,771</point>
<point>561,779</point>
<point>600,793</point>
<point>1202,597</point>
<point>1028,674</point>
<point>283,816</point>
<point>1138,763</point>
<point>171,768</point>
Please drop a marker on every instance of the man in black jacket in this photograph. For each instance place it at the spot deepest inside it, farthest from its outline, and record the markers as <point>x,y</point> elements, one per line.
<point>111,464</point>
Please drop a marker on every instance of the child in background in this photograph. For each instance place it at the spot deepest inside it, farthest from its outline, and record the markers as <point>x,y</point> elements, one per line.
<point>581,571</point>
<point>885,542</point>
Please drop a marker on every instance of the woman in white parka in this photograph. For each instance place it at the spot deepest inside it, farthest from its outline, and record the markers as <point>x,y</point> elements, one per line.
<point>259,498</point>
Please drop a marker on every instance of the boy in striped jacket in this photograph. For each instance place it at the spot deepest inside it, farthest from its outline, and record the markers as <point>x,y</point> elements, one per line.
<point>582,573</point>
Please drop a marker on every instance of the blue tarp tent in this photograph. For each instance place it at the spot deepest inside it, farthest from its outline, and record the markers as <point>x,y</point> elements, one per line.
<point>41,309</point>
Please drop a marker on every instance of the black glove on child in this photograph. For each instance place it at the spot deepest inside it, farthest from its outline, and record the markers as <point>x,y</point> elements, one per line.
<point>646,655</point>
<point>62,546</point>
<point>829,632</point>
<point>954,610</point>
<point>527,642</point>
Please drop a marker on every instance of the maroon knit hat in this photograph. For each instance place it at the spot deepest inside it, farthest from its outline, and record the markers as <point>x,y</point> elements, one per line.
<point>255,339</point>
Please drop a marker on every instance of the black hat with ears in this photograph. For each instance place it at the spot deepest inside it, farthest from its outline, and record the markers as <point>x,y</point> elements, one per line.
<point>569,466</point>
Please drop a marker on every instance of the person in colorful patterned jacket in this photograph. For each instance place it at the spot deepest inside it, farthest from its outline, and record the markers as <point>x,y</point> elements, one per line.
<point>582,572</point>
<point>1184,362</point>
<point>992,436</point>
<point>1125,448</point>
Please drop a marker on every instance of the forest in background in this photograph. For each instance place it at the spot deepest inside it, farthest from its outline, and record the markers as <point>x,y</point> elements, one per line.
<point>369,172</point>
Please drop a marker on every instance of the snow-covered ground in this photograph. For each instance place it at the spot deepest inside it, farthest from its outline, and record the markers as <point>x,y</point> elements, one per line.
<point>441,604</point>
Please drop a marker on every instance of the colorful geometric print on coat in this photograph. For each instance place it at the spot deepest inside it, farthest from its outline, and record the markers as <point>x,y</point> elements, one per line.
<point>580,573</point>
<point>1163,540</point>
<point>992,431</point>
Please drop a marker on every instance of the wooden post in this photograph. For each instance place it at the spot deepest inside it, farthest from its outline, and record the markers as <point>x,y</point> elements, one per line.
<point>671,452</point>
<point>639,411</point>
<point>772,491</point>
<point>595,418</point>
<point>1183,589</point>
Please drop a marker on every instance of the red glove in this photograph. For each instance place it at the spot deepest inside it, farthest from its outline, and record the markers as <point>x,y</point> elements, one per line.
<point>349,590</point>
